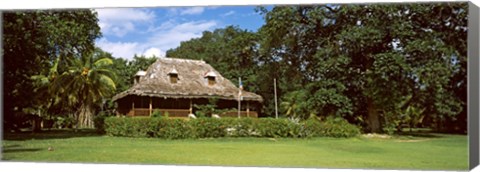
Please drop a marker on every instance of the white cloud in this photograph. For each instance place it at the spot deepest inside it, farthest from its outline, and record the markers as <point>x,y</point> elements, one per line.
<point>121,29</point>
<point>166,36</point>
<point>164,26</point>
<point>119,49</point>
<point>127,50</point>
<point>197,26</point>
<point>249,14</point>
<point>171,38</point>
<point>121,21</point>
<point>192,11</point>
<point>154,52</point>
<point>123,14</point>
<point>228,13</point>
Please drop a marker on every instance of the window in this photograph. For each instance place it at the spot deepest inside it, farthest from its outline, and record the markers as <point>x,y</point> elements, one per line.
<point>211,80</point>
<point>139,75</point>
<point>210,76</point>
<point>137,79</point>
<point>173,78</point>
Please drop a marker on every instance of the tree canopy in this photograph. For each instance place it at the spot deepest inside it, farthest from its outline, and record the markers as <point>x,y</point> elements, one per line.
<point>359,62</point>
<point>32,42</point>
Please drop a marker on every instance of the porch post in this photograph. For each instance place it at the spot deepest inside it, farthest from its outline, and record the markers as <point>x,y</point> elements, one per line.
<point>150,107</point>
<point>133,106</point>
<point>191,106</point>
<point>248,109</point>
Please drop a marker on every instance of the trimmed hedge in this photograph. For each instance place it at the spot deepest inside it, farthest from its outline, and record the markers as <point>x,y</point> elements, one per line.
<point>227,127</point>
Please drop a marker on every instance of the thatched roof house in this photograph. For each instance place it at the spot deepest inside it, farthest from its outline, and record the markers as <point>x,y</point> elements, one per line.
<point>174,85</point>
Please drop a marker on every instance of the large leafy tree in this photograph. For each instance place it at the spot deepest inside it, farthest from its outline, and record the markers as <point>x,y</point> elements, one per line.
<point>365,59</point>
<point>32,42</point>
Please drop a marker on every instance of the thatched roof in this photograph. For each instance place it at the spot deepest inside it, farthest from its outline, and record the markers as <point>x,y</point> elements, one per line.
<point>192,82</point>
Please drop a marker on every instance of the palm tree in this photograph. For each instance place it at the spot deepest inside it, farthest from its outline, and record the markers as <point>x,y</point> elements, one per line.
<point>84,84</point>
<point>43,100</point>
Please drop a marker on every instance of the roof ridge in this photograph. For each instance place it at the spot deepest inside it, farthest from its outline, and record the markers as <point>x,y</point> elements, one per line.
<point>180,59</point>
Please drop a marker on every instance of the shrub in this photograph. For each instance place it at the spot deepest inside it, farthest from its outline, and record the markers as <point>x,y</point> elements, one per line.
<point>312,128</point>
<point>99,122</point>
<point>390,128</point>
<point>337,127</point>
<point>243,127</point>
<point>156,113</point>
<point>207,110</point>
<point>270,127</point>
<point>114,126</point>
<point>128,127</point>
<point>233,127</point>
<point>64,122</point>
<point>172,129</point>
<point>209,127</point>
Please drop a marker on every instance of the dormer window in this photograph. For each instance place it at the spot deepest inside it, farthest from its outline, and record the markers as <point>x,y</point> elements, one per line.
<point>211,80</point>
<point>173,76</point>
<point>138,75</point>
<point>210,76</point>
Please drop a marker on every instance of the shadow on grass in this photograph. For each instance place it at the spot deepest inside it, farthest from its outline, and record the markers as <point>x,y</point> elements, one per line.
<point>419,132</point>
<point>10,146</point>
<point>50,134</point>
<point>21,150</point>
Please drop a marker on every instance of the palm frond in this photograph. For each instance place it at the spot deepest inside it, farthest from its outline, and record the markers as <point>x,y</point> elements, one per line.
<point>103,62</point>
<point>107,81</point>
<point>106,72</point>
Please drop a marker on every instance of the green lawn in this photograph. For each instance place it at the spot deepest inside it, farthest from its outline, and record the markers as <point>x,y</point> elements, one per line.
<point>430,151</point>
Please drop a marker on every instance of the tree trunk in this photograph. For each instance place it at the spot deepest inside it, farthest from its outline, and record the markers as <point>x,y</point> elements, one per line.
<point>85,117</point>
<point>36,124</point>
<point>373,117</point>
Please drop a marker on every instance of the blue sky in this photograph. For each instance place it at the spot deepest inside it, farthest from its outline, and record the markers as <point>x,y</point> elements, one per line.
<point>152,31</point>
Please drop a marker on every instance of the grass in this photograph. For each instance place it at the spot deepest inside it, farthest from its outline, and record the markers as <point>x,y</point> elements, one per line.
<point>422,152</point>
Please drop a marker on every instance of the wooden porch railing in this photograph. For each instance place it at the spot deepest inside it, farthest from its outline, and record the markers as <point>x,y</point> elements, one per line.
<point>185,112</point>
<point>171,112</point>
<point>252,114</point>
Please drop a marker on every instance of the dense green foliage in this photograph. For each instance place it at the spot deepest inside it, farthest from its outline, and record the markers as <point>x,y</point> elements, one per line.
<point>334,127</point>
<point>33,41</point>
<point>231,127</point>
<point>85,84</point>
<point>126,70</point>
<point>209,109</point>
<point>367,63</point>
<point>380,66</point>
<point>54,71</point>
<point>231,51</point>
<point>208,127</point>
<point>99,122</point>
